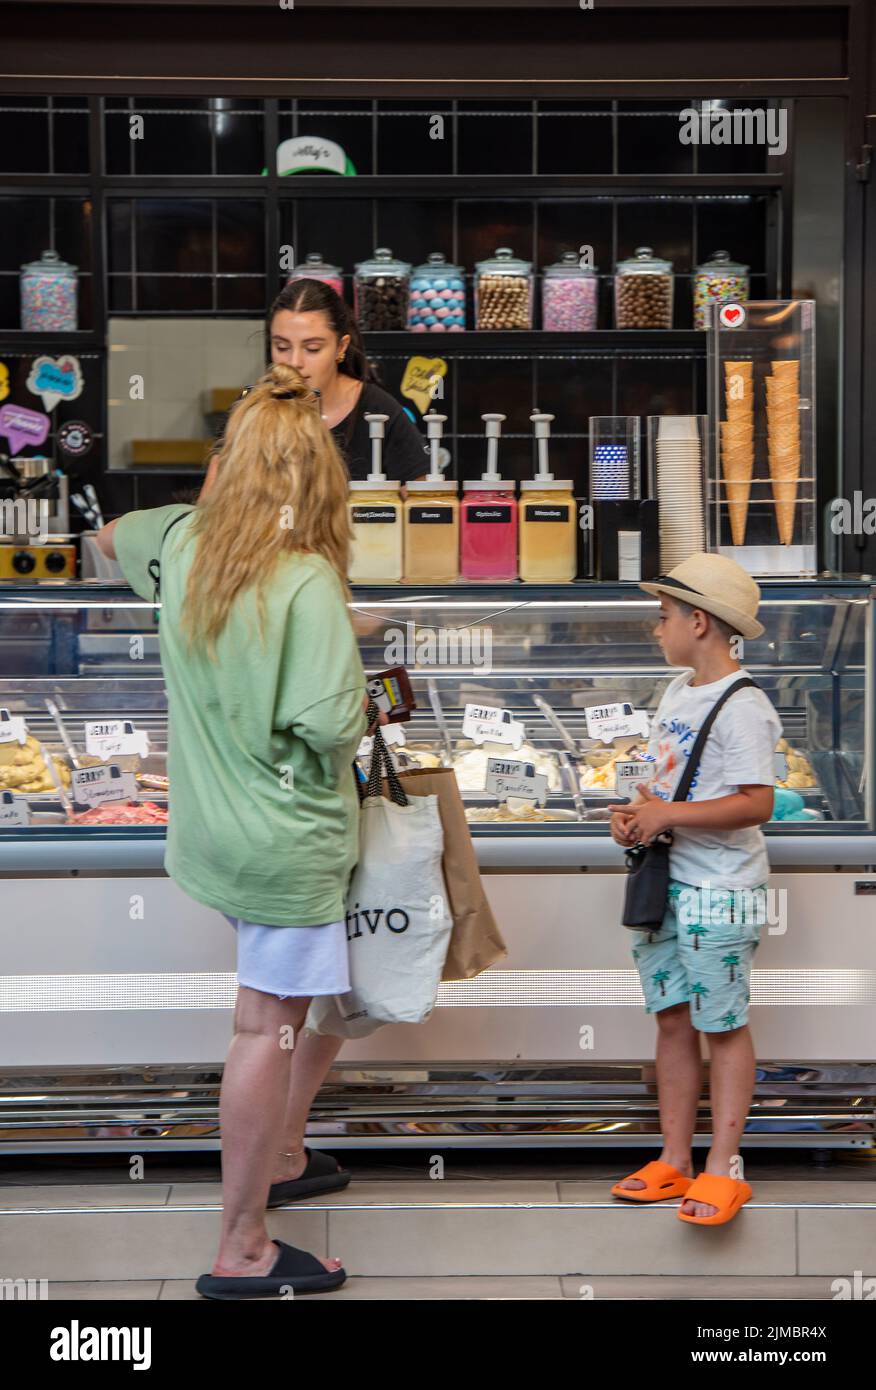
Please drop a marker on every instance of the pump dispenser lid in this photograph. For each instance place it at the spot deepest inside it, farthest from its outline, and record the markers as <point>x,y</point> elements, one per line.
<point>376,478</point>
<point>434,480</point>
<point>493,424</point>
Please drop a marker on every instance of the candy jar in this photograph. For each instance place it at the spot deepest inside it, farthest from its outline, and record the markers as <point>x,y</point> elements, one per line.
<point>643,291</point>
<point>503,292</point>
<point>313,267</point>
<point>437,302</point>
<point>568,296</point>
<point>381,288</point>
<point>718,281</point>
<point>48,295</point>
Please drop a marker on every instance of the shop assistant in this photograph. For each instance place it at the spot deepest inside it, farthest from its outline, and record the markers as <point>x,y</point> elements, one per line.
<point>312,329</point>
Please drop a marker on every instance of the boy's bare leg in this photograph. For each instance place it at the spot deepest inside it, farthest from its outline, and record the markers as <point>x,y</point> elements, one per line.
<point>311,1058</point>
<point>731,1086</point>
<point>679,1084</point>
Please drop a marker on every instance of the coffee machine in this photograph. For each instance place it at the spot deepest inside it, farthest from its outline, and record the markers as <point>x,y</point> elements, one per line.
<point>35,538</point>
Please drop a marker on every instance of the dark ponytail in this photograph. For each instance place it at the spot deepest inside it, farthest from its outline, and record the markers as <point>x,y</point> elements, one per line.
<point>314,296</point>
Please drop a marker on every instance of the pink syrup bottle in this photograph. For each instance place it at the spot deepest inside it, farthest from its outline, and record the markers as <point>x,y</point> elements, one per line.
<point>488,520</point>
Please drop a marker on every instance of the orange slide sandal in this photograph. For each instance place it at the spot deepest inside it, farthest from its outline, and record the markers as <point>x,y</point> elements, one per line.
<point>661,1180</point>
<point>727,1194</point>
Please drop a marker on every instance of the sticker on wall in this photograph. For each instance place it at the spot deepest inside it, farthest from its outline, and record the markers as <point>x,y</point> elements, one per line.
<point>55,379</point>
<point>4,381</point>
<point>75,438</point>
<point>304,154</point>
<point>22,426</point>
<point>421,378</point>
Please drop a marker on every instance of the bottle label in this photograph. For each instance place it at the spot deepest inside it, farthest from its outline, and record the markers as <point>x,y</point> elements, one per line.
<point>502,514</point>
<point>431,516</point>
<point>541,512</point>
<point>383,514</point>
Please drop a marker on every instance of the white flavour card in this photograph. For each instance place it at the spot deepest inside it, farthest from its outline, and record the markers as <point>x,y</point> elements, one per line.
<point>481,723</point>
<point>14,810</point>
<point>108,738</point>
<point>92,786</point>
<point>393,733</point>
<point>13,729</point>
<point>607,722</point>
<point>507,777</point>
<point>628,775</point>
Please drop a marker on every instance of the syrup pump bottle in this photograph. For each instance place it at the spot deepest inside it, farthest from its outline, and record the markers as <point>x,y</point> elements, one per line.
<point>548,535</point>
<point>431,513</point>
<point>375,516</point>
<point>489,517</point>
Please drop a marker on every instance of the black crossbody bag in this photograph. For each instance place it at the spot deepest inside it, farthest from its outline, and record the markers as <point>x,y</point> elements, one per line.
<point>648,878</point>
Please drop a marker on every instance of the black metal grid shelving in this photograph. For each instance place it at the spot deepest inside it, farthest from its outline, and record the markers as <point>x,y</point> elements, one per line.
<point>191,207</point>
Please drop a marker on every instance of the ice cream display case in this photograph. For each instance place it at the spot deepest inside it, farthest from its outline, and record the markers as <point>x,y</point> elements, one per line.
<point>116,1000</point>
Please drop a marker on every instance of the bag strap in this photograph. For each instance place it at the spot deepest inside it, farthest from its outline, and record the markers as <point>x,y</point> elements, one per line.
<point>693,760</point>
<point>381,766</point>
<point>154,566</point>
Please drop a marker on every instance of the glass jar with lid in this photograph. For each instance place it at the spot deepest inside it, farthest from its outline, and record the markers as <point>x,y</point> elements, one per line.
<point>381,288</point>
<point>643,291</point>
<point>719,280</point>
<point>503,292</point>
<point>49,295</point>
<point>437,302</point>
<point>313,267</point>
<point>568,296</point>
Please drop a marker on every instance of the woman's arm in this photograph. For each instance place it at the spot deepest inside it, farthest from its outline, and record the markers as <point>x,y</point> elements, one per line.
<point>103,539</point>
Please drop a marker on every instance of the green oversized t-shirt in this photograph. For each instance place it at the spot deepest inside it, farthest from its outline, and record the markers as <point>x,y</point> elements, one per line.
<point>263,804</point>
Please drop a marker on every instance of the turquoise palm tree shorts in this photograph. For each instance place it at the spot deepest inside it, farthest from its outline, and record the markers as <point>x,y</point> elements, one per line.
<point>702,953</point>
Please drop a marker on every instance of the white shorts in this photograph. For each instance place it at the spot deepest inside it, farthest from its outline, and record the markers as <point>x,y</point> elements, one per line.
<point>292,962</point>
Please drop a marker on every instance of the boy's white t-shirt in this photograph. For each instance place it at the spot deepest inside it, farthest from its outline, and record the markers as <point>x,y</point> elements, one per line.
<point>739,751</point>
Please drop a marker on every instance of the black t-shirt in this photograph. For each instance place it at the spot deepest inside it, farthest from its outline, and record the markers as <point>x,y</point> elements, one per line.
<point>405,451</point>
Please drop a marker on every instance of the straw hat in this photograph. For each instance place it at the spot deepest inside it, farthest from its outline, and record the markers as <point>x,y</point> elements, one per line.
<point>716,584</point>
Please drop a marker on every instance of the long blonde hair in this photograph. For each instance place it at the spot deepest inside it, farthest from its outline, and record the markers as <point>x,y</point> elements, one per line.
<point>281,489</point>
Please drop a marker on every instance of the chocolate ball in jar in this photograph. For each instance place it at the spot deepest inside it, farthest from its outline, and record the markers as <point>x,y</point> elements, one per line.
<point>381,288</point>
<point>643,291</point>
<point>503,292</point>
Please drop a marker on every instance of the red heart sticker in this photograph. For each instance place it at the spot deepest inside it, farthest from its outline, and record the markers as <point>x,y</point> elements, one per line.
<point>731,314</point>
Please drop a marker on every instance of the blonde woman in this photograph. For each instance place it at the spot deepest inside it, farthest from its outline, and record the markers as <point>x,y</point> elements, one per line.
<point>265,695</point>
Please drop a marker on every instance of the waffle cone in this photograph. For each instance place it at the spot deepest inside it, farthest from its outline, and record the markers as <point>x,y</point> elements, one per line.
<point>737,486</point>
<point>785,476</point>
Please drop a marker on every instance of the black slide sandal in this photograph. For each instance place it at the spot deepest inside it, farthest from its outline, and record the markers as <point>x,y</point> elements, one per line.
<point>322,1174</point>
<point>295,1269</point>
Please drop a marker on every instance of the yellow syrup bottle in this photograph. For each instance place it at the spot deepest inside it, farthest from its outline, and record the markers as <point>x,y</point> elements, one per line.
<point>375,516</point>
<point>547,520</point>
<point>431,512</point>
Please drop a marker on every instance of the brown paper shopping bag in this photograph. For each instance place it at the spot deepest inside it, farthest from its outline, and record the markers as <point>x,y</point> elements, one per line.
<point>475,942</point>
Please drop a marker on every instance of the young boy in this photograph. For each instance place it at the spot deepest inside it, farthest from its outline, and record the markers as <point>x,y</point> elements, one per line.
<point>695,969</point>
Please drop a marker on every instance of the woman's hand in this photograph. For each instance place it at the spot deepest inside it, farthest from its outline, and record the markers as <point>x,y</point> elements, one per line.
<point>647,818</point>
<point>382,718</point>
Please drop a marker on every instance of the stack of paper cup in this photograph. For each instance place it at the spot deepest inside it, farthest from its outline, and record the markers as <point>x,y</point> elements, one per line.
<point>679,476</point>
<point>737,444</point>
<point>783,438</point>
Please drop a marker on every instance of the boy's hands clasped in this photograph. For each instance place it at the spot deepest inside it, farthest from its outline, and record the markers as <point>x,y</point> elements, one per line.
<point>642,821</point>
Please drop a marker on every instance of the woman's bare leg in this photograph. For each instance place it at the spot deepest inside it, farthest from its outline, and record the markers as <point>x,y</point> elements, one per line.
<point>311,1060</point>
<point>255,1089</point>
